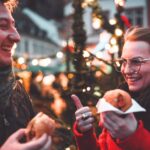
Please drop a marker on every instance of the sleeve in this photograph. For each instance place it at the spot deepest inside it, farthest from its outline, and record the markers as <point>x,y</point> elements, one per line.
<point>87,140</point>
<point>140,140</point>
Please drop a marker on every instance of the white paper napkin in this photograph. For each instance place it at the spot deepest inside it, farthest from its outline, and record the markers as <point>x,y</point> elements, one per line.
<point>103,106</point>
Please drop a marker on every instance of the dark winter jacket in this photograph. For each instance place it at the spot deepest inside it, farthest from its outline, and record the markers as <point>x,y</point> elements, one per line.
<point>15,108</point>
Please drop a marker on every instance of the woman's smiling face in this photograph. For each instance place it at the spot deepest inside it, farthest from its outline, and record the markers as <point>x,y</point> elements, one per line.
<point>136,81</point>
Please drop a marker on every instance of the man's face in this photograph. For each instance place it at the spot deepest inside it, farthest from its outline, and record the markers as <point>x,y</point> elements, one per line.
<point>136,81</point>
<point>8,36</point>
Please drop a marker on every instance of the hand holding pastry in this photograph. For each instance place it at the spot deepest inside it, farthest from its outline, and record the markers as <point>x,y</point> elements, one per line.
<point>39,125</point>
<point>119,126</point>
<point>13,142</point>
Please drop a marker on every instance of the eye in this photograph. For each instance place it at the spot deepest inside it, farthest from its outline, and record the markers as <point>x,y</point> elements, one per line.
<point>4,25</point>
<point>136,61</point>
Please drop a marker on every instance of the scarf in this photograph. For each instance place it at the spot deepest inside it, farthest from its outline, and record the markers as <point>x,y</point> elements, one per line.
<point>7,82</point>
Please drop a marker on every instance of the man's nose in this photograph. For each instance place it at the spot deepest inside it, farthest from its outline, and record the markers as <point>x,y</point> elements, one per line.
<point>14,36</point>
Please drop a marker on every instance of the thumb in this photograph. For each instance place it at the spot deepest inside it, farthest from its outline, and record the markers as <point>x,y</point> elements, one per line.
<point>18,134</point>
<point>76,101</point>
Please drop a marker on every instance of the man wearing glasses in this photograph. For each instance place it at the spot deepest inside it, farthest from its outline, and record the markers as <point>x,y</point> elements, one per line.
<point>133,131</point>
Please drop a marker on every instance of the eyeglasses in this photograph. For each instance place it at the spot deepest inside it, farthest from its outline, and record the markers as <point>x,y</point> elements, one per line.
<point>134,63</point>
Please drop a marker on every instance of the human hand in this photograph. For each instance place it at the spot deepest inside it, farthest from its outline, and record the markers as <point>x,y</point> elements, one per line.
<point>118,126</point>
<point>42,143</point>
<point>83,115</point>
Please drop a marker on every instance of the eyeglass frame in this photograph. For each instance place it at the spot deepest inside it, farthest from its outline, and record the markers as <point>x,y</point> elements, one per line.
<point>125,61</point>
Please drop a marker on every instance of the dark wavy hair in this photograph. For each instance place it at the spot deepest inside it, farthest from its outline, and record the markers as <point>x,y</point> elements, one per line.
<point>10,4</point>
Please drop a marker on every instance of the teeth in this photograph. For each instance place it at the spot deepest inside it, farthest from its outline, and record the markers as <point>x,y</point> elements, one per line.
<point>6,48</point>
<point>132,79</point>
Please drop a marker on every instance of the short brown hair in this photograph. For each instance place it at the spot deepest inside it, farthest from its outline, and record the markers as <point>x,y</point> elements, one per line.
<point>137,34</point>
<point>10,4</point>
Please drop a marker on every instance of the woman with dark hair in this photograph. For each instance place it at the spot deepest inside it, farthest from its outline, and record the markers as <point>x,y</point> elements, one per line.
<point>131,132</point>
<point>15,105</point>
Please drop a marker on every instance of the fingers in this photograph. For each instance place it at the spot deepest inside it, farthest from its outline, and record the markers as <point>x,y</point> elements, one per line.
<point>86,124</point>
<point>48,144</point>
<point>82,110</point>
<point>119,126</point>
<point>107,120</point>
<point>86,128</point>
<point>18,134</point>
<point>131,116</point>
<point>79,115</point>
<point>76,101</point>
<point>36,144</point>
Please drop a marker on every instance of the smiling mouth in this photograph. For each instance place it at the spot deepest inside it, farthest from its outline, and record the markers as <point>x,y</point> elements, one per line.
<point>132,80</point>
<point>7,48</point>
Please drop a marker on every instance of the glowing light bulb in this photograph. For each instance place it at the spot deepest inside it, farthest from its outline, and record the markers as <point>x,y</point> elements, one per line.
<point>21,60</point>
<point>118,32</point>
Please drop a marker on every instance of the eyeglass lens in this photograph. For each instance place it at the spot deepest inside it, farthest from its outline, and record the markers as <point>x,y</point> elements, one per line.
<point>132,63</point>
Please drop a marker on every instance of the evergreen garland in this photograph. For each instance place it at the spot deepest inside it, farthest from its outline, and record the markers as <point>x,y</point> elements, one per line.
<point>79,36</point>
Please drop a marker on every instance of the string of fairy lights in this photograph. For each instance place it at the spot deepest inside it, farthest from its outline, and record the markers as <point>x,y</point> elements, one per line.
<point>23,63</point>
<point>82,57</point>
<point>115,27</point>
<point>98,21</point>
